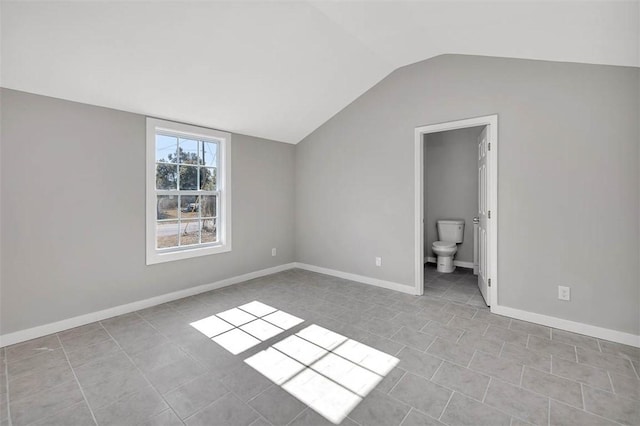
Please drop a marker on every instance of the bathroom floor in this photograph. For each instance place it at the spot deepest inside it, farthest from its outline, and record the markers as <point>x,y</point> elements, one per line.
<point>457,363</point>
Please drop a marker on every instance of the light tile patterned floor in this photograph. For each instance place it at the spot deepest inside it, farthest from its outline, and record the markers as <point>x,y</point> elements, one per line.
<point>459,364</point>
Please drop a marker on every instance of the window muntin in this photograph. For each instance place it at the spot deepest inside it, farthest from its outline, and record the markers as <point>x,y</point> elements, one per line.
<point>188,191</point>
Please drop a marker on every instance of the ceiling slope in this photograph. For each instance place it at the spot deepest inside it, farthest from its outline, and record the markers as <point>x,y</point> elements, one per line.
<point>278,70</point>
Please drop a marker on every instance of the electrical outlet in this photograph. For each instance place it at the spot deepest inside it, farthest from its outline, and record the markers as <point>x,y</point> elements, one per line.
<point>378,261</point>
<point>273,251</point>
<point>564,293</point>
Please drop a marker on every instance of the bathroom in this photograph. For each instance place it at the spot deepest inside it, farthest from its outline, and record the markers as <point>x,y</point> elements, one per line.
<point>451,193</point>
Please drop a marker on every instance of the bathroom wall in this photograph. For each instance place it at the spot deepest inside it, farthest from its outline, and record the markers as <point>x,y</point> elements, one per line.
<point>568,180</point>
<point>451,185</point>
<point>73,212</point>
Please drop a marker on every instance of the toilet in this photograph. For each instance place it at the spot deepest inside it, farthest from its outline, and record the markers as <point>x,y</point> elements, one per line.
<point>450,233</point>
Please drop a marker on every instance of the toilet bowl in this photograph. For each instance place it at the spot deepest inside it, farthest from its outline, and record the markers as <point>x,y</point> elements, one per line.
<point>450,233</point>
<point>445,252</point>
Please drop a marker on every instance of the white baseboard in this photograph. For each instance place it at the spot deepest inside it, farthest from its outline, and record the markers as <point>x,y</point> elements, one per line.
<point>567,325</point>
<point>459,263</point>
<point>54,327</point>
<point>359,278</point>
<point>559,323</point>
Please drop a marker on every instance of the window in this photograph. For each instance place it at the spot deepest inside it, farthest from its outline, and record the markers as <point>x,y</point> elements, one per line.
<point>188,191</point>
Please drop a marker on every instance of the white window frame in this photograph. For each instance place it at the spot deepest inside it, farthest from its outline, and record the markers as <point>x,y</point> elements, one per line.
<point>223,213</point>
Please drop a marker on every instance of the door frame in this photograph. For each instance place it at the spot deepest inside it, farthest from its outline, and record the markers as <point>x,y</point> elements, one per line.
<point>491,122</point>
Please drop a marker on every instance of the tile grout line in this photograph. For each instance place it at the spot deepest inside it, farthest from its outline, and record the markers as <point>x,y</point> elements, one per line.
<point>584,405</point>
<point>613,389</point>
<point>471,359</point>
<point>146,379</point>
<point>86,401</point>
<point>272,385</point>
<point>430,344</point>
<point>353,420</point>
<point>486,391</point>
<point>515,416</point>
<point>504,343</point>
<point>306,408</point>
<point>446,405</point>
<point>561,377</point>
<point>592,413</point>
<point>213,402</point>
<point>263,418</point>
<point>521,376</point>
<point>229,392</point>
<point>437,369</point>
<point>405,416</point>
<point>486,330</point>
<point>396,384</point>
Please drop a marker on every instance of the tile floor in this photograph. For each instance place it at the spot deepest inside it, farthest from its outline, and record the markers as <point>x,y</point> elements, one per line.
<point>459,364</point>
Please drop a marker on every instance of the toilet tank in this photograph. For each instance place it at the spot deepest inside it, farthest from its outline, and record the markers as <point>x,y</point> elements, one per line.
<point>451,230</point>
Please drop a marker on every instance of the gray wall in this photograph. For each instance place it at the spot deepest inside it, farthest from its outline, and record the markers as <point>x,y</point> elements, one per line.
<point>73,212</point>
<point>568,189</point>
<point>451,185</point>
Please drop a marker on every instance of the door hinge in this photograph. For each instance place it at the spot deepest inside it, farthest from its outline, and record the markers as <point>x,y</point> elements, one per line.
<point>489,214</point>
<point>489,282</point>
<point>489,146</point>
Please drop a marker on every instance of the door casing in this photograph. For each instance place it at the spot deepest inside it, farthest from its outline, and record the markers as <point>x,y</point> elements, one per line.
<point>491,123</point>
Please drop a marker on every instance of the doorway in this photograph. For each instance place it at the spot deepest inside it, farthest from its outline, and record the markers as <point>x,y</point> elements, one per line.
<point>487,202</point>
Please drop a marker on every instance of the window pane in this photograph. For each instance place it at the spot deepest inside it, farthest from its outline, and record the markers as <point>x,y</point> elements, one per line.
<point>166,147</point>
<point>209,205</point>
<point>189,206</point>
<point>189,151</point>
<point>188,177</point>
<point>208,178</point>
<point>166,176</point>
<point>166,207</point>
<point>167,234</point>
<point>209,153</point>
<point>209,231</point>
<point>189,232</point>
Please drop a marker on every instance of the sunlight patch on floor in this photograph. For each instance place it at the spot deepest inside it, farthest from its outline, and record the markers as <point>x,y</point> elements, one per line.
<point>327,398</point>
<point>283,319</point>
<point>245,326</point>
<point>275,365</point>
<point>327,371</point>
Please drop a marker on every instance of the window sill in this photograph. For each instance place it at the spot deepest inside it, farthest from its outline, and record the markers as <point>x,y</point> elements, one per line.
<point>154,256</point>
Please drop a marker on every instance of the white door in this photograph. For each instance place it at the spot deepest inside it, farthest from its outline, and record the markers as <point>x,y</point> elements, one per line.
<point>483,204</point>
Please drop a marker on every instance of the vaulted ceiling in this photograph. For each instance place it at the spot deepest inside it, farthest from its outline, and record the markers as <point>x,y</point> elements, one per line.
<point>279,70</point>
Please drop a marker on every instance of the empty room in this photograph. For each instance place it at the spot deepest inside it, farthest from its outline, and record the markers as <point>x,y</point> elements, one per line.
<point>316,213</point>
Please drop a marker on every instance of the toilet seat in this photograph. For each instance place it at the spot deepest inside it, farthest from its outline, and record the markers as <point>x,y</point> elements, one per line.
<point>443,245</point>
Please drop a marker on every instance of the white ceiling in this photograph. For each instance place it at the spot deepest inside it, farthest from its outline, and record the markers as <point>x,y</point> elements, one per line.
<point>279,70</point>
